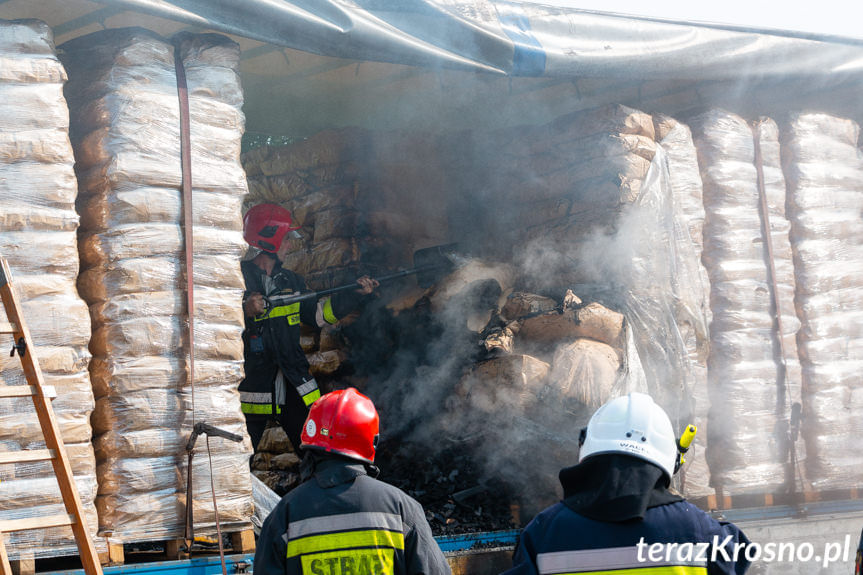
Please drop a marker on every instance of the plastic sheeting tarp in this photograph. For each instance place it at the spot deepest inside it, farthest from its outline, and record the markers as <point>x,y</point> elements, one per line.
<point>512,38</point>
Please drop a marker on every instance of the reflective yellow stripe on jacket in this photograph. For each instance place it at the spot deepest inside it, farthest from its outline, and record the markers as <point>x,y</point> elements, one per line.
<point>255,403</point>
<point>327,311</point>
<point>310,392</point>
<point>258,408</point>
<point>292,312</point>
<point>364,542</point>
<point>622,561</point>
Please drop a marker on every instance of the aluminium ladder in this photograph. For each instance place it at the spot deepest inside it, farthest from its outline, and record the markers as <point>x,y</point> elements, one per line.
<point>55,450</point>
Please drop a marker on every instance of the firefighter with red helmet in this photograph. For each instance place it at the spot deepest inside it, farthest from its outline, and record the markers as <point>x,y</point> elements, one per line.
<point>277,381</point>
<point>341,520</point>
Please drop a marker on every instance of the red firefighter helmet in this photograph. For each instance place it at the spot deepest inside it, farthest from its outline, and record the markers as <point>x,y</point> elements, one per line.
<point>265,226</point>
<point>344,422</point>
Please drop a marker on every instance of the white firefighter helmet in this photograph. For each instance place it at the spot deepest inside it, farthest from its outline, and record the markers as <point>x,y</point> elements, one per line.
<point>632,425</point>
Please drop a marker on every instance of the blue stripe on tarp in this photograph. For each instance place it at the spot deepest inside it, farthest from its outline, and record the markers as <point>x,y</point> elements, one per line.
<point>529,57</point>
<point>210,565</point>
<point>468,541</point>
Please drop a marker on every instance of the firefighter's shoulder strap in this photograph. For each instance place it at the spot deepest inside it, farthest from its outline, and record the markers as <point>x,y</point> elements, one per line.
<point>55,450</point>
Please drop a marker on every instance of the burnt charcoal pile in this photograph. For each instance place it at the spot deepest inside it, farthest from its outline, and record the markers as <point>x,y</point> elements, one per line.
<point>481,390</point>
<point>453,492</point>
<point>456,496</point>
<point>491,387</point>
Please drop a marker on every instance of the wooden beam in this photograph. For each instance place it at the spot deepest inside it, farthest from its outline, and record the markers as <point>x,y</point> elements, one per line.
<point>43,522</point>
<point>26,455</point>
<point>49,391</point>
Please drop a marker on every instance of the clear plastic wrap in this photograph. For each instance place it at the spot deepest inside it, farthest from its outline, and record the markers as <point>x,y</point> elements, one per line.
<point>824,168</point>
<point>750,390</point>
<point>38,227</point>
<point>123,94</point>
<point>58,253</point>
<point>694,315</point>
<point>36,106</point>
<point>584,372</point>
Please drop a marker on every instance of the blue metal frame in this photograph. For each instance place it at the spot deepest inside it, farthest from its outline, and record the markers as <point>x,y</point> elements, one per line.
<point>812,509</point>
<point>467,542</point>
<point>211,565</point>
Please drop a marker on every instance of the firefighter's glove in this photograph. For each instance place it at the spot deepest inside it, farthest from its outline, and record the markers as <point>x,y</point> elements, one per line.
<point>367,285</point>
<point>254,305</point>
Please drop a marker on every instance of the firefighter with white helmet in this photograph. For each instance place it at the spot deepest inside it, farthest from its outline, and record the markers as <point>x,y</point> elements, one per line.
<point>341,520</point>
<point>277,383</point>
<point>618,513</point>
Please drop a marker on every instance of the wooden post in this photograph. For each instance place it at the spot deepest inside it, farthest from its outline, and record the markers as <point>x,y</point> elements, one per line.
<point>116,554</point>
<point>5,566</point>
<point>24,565</point>
<point>243,541</point>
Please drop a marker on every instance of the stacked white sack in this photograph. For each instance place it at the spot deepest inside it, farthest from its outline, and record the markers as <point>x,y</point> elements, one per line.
<point>747,448</point>
<point>693,312</point>
<point>824,169</point>
<point>37,236</point>
<point>126,134</point>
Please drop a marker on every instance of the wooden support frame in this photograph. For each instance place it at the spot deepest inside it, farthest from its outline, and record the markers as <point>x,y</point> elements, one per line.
<point>74,516</point>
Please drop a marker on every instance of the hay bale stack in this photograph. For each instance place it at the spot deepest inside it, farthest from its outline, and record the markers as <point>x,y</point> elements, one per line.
<point>126,135</point>
<point>554,179</point>
<point>360,196</point>
<point>824,169</point>
<point>750,393</point>
<point>38,227</point>
<point>693,303</point>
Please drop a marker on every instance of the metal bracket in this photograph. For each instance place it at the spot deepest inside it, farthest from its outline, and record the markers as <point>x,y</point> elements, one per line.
<point>20,347</point>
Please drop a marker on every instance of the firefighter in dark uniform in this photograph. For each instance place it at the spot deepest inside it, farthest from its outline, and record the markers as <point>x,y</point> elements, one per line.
<point>341,520</point>
<point>618,514</point>
<point>277,381</point>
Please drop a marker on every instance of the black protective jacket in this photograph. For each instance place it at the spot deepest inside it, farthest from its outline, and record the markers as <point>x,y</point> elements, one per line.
<point>342,521</point>
<point>271,342</point>
<point>618,516</point>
